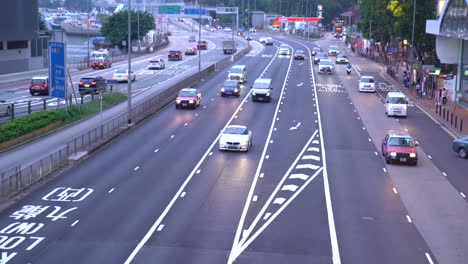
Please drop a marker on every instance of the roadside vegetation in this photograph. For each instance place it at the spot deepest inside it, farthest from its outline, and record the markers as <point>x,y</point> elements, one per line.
<point>27,124</point>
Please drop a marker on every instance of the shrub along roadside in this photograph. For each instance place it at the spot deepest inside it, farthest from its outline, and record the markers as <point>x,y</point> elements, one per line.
<point>27,124</point>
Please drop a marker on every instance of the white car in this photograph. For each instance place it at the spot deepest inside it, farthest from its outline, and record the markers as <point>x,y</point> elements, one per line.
<point>236,138</point>
<point>325,66</point>
<point>262,39</point>
<point>341,59</point>
<point>227,29</point>
<point>156,63</point>
<point>333,51</point>
<point>367,84</point>
<point>121,75</point>
<point>284,49</point>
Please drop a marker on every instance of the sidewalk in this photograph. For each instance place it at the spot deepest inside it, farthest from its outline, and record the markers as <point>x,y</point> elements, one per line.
<point>452,116</point>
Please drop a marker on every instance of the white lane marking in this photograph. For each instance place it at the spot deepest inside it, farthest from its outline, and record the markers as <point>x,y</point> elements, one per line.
<point>311,157</point>
<point>156,150</point>
<point>136,168</point>
<point>160,227</point>
<point>331,219</point>
<point>262,174</point>
<point>463,195</point>
<point>211,153</point>
<point>236,117</point>
<point>300,176</point>
<point>267,215</point>
<point>198,172</point>
<point>307,166</point>
<point>185,124</point>
<point>315,142</point>
<point>300,84</point>
<point>295,127</point>
<point>279,200</point>
<point>384,169</point>
<point>408,218</point>
<point>76,222</point>
<point>397,119</point>
<point>111,190</point>
<point>279,111</point>
<point>395,190</point>
<point>406,130</point>
<point>255,198</point>
<point>187,180</point>
<point>313,149</point>
<point>429,258</point>
<point>363,128</point>
<point>267,156</point>
<point>376,153</point>
<point>196,114</point>
<point>274,129</point>
<point>370,140</point>
<point>358,118</point>
<point>290,187</point>
<point>429,156</point>
<point>183,194</point>
<point>277,118</point>
<point>172,136</point>
<point>271,141</point>
<point>445,174</point>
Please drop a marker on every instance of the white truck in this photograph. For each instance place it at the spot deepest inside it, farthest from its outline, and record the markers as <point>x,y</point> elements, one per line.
<point>229,47</point>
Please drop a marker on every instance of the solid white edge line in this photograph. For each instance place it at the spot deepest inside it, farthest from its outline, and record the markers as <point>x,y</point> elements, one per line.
<point>235,245</point>
<point>331,219</point>
<point>182,187</point>
<point>428,256</point>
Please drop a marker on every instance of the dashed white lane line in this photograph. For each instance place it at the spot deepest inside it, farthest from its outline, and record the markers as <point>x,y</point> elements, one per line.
<point>406,129</point>
<point>408,218</point>
<point>183,194</point>
<point>429,156</point>
<point>136,168</point>
<point>376,153</point>
<point>463,195</point>
<point>196,114</point>
<point>111,190</point>
<point>172,136</point>
<point>76,222</point>
<point>255,198</point>
<point>363,128</point>
<point>198,172</point>
<point>160,227</point>
<point>267,215</point>
<point>156,150</point>
<point>210,154</point>
<point>279,200</point>
<point>429,258</point>
<point>395,190</point>
<point>236,117</point>
<point>271,141</point>
<point>267,156</point>
<point>384,169</point>
<point>185,124</point>
<point>262,174</point>
<point>445,174</point>
<point>370,140</point>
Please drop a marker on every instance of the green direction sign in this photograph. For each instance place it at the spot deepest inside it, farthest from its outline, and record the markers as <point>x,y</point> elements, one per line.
<point>168,9</point>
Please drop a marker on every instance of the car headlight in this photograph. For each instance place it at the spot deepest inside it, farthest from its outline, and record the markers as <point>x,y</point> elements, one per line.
<point>268,94</point>
<point>404,107</point>
<point>393,154</point>
<point>236,90</point>
<point>391,108</point>
<point>412,155</point>
<point>190,102</point>
<point>222,89</point>
<point>253,93</point>
<point>178,101</point>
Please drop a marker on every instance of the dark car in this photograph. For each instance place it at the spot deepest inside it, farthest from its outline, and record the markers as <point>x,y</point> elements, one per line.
<point>100,63</point>
<point>202,44</point>
<point>460,146</point>
<point>231,87</point>
<point>190,51</point>
<point>299,55</point>
<point>174,55</point>
<point>316,50</point>
<point>92,84</point>
<point>320,55</point>
<point>188,98</point>
<point>399,147</point>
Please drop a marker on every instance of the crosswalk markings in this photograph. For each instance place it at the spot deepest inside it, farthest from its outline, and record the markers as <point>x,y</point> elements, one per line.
<point>290,187</point>
<point>307,166</point>
<point>279,200</point>
<point>300,176</point>
<point>311,157</point>
<point>313,149</point>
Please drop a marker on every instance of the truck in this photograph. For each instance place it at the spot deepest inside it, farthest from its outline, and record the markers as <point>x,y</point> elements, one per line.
<point>229,47</point>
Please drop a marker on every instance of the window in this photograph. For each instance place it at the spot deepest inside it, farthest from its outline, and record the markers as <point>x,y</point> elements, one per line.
<point>1,45</point>
<point>17,44</point>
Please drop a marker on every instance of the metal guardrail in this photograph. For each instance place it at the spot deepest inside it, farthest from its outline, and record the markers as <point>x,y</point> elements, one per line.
<point>20,178</point>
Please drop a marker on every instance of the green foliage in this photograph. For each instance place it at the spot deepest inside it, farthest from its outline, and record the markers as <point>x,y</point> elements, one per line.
<point>376,17</point>
<point>103,18</point>
<point>115,29</point>
<point>27,124</point>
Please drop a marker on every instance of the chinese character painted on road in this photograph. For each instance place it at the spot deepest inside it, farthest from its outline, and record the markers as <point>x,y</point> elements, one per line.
<point>66,194</point>
<point>55,215</point>
<point>29,211</point>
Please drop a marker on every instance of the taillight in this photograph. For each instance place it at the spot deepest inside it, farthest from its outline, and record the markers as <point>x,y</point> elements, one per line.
<point>101,63</point>
<point>45,85</point>
<point>113,76</point>
<point>93,82</point>
<point>169,54</point>
<point>125,75</point>
<point>80,83</point>
<point>177,54</point>
<point>31,85</point>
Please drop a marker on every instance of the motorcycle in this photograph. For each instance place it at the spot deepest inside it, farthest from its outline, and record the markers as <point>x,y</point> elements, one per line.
<point>348,71</point>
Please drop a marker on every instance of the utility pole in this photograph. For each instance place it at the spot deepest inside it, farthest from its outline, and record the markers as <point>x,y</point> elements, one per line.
<point>89,37</point>
<point>199,43</point>
<point>138,26</point>
<point>412,46</point>
<point>129,47</point>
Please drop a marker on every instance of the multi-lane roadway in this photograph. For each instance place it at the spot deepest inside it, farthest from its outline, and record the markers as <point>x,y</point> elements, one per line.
<point>312,189</point>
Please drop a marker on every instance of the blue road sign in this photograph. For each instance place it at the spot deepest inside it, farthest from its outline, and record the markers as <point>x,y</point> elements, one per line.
<point>57,70</point>
<point>194,11</point>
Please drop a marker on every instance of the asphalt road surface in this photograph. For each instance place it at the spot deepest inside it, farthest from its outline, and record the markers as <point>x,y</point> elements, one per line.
<point>313,188</point>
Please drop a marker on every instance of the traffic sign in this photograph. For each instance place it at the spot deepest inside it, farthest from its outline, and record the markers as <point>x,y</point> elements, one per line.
<point>169,9</point>
<point>100,96</point>
<point>389,53</point>
<point>57,69</point>
<point>194,11</point>
<point>295,19</point>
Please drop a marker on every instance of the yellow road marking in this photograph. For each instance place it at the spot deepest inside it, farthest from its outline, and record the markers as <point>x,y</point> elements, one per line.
<point>357,66</point>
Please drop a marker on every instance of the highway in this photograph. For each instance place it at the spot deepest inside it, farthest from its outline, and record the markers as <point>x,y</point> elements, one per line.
<point>314,187</point>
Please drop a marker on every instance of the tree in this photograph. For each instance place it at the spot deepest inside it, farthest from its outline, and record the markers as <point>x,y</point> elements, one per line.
<point>116,28</point>
<point>376,20</point>
<point>79,5</point>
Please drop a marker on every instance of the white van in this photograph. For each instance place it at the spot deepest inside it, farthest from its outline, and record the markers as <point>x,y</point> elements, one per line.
<point>262,90</point>
<point>238,72</point>
<point>396,104</point>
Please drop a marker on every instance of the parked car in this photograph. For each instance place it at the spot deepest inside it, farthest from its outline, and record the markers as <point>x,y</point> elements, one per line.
<point>100,63</point>
<point>39,85</point>
<point>235,138</point>
<point>92,84</point>
<point>399,147</point>
<point>174,55</point>
<point>231,87</point>
<point>5,108</point>
<point>190,51</point>
<point>460,146</point>
<point>121,75</point>
<point>188,98</point>
<point>202,45</point>
<point>156,63</point>
<point>316,50</point>
<point>299,55</point>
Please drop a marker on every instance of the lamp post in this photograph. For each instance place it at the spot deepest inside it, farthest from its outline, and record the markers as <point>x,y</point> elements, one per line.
<point>129,81</point>
<point>199,42</point>
<point>412,46</point>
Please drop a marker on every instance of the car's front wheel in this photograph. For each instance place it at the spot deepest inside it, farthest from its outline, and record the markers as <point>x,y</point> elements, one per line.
<point>462,153</point>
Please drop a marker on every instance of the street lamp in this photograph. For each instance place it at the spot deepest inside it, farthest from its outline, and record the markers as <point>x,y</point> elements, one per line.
<point>129,81</point>
<point>199,42</point>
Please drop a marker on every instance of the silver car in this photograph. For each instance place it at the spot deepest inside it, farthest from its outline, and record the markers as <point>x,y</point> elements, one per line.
<point>325,66</point>
<point>235,138</point>
<point>284,49</point>
<point>5,108</point>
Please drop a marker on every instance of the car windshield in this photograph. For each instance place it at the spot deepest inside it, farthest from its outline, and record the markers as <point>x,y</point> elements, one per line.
<point>401,142</point>
<point>236,131</point>
<point>284,46</point>
<point>121,71</point>
<point>317,49</point>
<point>38,81</point>
<point>230,83</point>
<point>261,85</point>
<point>342,57</point>
<point>333,47</point>
<point>99,60</point>
<point>174,51</point>
<point>325,62</point>
<point>367,80</point>
<point>187,93</point>
<point>235,70</point>
<point>299,52</point>
<point>154,60</point>
<point>397,100</point>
